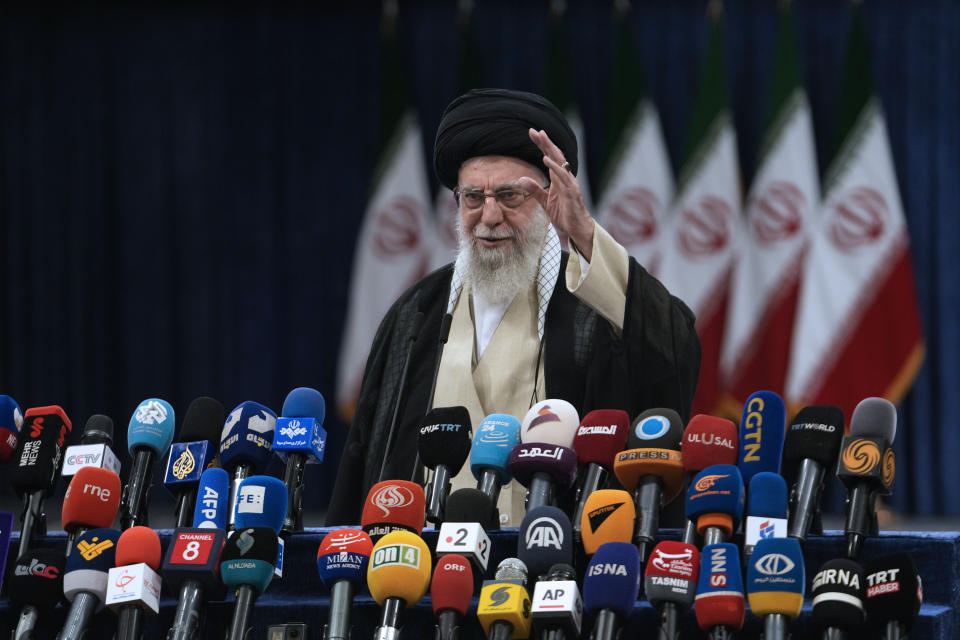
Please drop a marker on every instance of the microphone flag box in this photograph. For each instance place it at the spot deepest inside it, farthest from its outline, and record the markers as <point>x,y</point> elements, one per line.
<point>187,462</point>
<point>194,554</point>
<point>278,568</point>
<point>89,455</point>
<point>867,457</point>
<point>467,539</point>
<point>133,584</point>
<point>556,601</point>
<point>757,529</point>
<point>304,435</point>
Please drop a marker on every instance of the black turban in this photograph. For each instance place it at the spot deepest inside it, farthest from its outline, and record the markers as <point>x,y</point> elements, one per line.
<point>495,122</point>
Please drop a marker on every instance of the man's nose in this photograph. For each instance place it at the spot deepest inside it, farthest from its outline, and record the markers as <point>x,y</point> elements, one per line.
<point>491,214</point>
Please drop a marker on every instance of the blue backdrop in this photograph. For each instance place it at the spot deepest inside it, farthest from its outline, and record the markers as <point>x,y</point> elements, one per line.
<point>181,188</point>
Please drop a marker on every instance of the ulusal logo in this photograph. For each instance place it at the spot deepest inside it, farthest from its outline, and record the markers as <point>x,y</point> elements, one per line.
<point>674,563</point>
<point>37,568</point>
<point>707,482</point>
<point>391,497</point>
<point>151,412</point>
<point>710,440</point>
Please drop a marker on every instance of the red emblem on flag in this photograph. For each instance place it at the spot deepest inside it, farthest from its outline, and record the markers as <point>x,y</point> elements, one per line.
<point>634,216</point>
<point>858,219</point>
<point>777,213</point>
<point>705,229</point>
<point>397,229</point>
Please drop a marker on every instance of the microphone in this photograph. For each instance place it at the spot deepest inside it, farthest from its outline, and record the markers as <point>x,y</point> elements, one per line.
<point>671,583</point>
<point>85,578</point>
<point>602,434</point>
<point>91,502</point>
<point>715,502</point>
<point>342,560</point>
<point>544,458</point>
<point>393,505</point>
<point>262,502</point>
<point>444,444</point>
<point>894,594</point>
<point>867,467</point>
<point>194,451</point>
<point>94,448</point>
<point>504,606</point>
<point>300,437</point>
<point>766,510</point>
<point>775,584</point>
<point>398,576</point>
<point>37,462</point>
<point>247,564</point>
<point>461,534</point>
<point>811,448</point>
<point>719,604</point>
<point>557,610</point>
<point>608,516</point>
<point>837,598</point>
<point>451,589</point>
<point>133,586</point>
<point>545,539</point>
<point>762,425</point>
<point>652,469</point>
<point>413,332</point>
<point>11,419</point>
<point>213,504</point>
<point>148,438</point>
<point>495,438</point>
<point>611,585</point>
<point>35,587</point>
<point>707,440</point>
<point>245,444</point>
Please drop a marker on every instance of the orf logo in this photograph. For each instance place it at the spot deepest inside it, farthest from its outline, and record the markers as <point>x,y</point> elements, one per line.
<point>633,216</point>
<point>776,214</point>
<point>397,230</point>
<point>705,229</point>
<point>391,497</point>
<point>706,482</point>
<point>858,219</point>
<point>861,456</point>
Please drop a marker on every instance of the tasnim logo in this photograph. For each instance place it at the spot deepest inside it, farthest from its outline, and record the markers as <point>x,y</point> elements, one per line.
<point>673,562</point>
<point>706,482</point>
<point>391,497</point>
<point>861,456</point>
<point>90,550</point>
<point>184,465</point>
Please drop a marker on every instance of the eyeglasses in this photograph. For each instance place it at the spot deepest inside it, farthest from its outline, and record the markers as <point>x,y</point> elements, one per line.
<point>476,198</point>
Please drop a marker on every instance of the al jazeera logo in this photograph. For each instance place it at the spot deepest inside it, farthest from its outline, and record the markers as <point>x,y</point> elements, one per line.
<point>184,465</point>
<point>862,456</point>
<point>90,550</point>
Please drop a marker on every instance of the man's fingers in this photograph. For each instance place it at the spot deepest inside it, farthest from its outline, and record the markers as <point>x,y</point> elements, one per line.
<point>559,173</point>
<point>545,144</point>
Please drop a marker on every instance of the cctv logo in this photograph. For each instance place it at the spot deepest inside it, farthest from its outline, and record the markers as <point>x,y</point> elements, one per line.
<point>544,532</point>
<point>250,499</point>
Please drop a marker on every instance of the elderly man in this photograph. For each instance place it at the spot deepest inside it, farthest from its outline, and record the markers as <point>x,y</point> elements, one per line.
<point>528,321</point>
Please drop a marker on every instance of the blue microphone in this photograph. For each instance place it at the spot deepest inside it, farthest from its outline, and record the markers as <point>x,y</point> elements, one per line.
<point>775,584</point>
<point>247,563</point>
<point>715,502</point>
<point>194,451</point>
<point>246,444</point>
<point>766,510</point>
<point>213,500</point>
<point>762,429</point>
<point>720,601</point>
<point>494,439</point>
<point>301,439</point>
<point>611,585</point>
<point>148,438</point>
<point>261,502</point>
<point>85,578</point>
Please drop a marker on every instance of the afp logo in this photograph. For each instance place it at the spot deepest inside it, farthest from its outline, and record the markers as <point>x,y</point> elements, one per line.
<point>544,532</point>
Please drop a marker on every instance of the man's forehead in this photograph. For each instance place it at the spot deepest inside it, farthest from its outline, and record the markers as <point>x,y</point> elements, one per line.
<point>496,170</point>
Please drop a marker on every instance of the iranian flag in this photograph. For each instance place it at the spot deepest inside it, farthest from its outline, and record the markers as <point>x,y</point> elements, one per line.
<point>393,249</point>
<point>704,232</point>
<point>781,211</point>
<point>637,178</point>
<point>858,329</point>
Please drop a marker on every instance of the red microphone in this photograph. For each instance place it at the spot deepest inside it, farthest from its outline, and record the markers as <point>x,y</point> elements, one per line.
<point>602,434</point>
<point>671,582</point>
<point>707,440</point>
<point>451,590</point>
<point>133,586</point>
<point>91,502</point>
<point>393,505</point>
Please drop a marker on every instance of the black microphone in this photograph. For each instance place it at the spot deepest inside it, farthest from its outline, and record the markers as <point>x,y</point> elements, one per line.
<point>247,563</point>
<point>35,587</point>
<point>441,343</point>
<point>148,438</point>
<point>837,598</point>
<point>444,444</point>
<point>194,451</point>
<point>413,332</point>
<point>94,448</point>
<point>894,594</point>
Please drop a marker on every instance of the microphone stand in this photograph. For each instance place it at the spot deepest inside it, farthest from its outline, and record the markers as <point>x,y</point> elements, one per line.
<point>412,334</point>
<point>444,335</point>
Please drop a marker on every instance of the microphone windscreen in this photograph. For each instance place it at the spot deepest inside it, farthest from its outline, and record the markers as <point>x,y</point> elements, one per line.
<point>203,421</point>
<point>399,568</point>
<point>452,584</point>
<point>656,428</point>
<point>875,417</point>
<point>393,505</point>
<point>815,433</point>
<point>762,426</point>
<point>151,427</point>
<point>37,579</point>
<point>776,577</point>
<point>495,438</point>
<point>343,555</point>
<point>551,421</point>
<point>36,461</point>
<point>709,440</point>
<point>11,419</point>
<point>445,438</point>
<point>602,434</point>
<point>213,500</point>
<point>719,600</point>
<point>98,430</point>
<point>470,505</point>
<point>527,459</point>
<point>247,436</point>
<point>716,489</point>
<point>612,579</point>
<point>92,499</point>
<point>608,516</point>
<point>139,544</point>
<point>837,595</point>
<point>261,502</point>
<point>249,557</point>
<point>90,560</point>
<point>304,402</point>
<point>672,573</point>
<point>545,539</point>
<point>767,496</point>
<point>894,591</point>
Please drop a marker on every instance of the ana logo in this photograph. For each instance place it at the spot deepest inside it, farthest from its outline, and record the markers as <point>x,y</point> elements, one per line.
<point>544,532</point>
<point>861,456</point>
<point>123,580</point>
<point>652,427</point>
<point>245,542</point>
<point>544,415</point>
<point>293,429</point>
<point>499,597</point>
<point>90,550</point>
<point>707,482</point>
<point>705,229</point>
<point>675,563</point>
<point>889,467</point>
<point>151,412</point>
<point>633,216</point>
<point>858,219</point>
<point>36,427</point>
<point>397,230</point>
<point>774,564</point>
<point>391,497</point>
<point>776,214</point>
<point>184,465</point>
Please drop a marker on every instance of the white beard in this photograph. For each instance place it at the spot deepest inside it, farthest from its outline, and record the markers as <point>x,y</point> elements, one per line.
<point>498,274</point>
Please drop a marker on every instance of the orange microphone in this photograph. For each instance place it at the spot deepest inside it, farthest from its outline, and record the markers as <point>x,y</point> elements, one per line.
<point>91,502</point>
<point>133,586</point>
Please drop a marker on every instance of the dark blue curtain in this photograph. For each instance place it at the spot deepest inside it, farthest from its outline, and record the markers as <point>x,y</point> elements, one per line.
<point>181,187</point>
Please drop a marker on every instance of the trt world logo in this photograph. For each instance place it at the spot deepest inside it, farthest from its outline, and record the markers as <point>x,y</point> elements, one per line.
<point>544,532</point>
<point>774,564</point>
<point>293,429</point>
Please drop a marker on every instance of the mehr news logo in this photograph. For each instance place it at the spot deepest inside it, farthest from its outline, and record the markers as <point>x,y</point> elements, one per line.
<point>391,555</point>
<point>184,465</point>
<point>861,456</point>
<point>90,550</point>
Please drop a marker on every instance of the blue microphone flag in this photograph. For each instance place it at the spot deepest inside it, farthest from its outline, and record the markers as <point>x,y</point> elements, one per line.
<point>494,439</point>
<point>261,502</point>
<point>247,436</point>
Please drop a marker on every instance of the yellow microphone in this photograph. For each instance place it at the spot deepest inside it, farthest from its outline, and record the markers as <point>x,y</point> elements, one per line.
<point>398,575</point>
<point>608,516</point>
<point>504,607</point>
